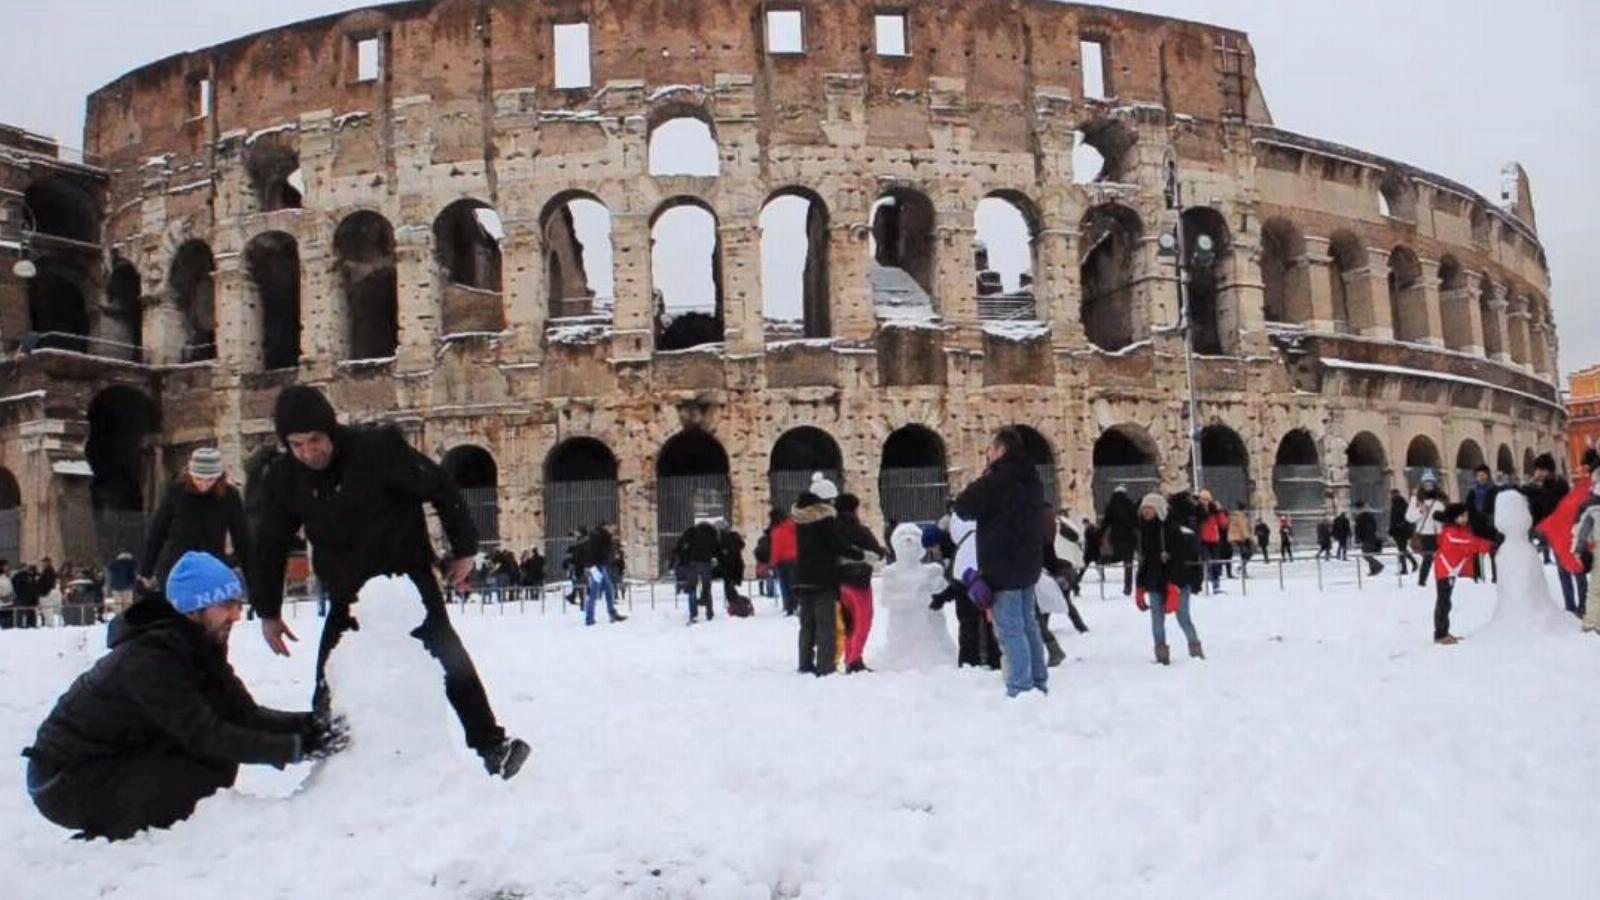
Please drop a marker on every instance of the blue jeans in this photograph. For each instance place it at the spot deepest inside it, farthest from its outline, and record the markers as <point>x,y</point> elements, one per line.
<point>599,583</point>
<point>701,596</point>
<point>1574,590</point>
<point>1158,618</point>
<point>1016,624</point>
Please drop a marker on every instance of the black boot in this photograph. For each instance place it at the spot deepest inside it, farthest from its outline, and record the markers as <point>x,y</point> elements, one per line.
<point>505,758</point>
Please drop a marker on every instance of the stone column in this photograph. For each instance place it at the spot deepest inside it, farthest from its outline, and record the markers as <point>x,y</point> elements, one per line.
<point>742,318</point>
<point>1367,289</point>
<point>1517,335</point>
<point>324,313</point>
<point>1056,286</point>
<point>1498,321</point>
<point>522,290</point>
<point>1429,291</point>
<point>633,320</point>
<point>1318,274</point>
<point>420,287</point>
<point>1241,303</point>
<point>1473,314</point>
<point>955,277</point>
<point>238,315</point>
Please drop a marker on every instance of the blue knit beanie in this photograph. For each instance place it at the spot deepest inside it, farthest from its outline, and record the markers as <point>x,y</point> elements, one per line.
<point>930,536</point>
<point>200,580</point>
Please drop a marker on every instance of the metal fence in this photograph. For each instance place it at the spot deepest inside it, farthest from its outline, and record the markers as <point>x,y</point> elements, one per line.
<point>913,494</point>
<point>11,535</point>
<point>483,505</point>
<point>570,505</point>
<point>1370,485</point>
<point>785,485</point>
<point>79,343</point>
<point>680,499</point>
<point>1139,480</point>
<point>1302,495</point>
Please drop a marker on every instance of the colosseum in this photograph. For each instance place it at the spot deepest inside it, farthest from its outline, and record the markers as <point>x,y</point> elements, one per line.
<point>642,260</point>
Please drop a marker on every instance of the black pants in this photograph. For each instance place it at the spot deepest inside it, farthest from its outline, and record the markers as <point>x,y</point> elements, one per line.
<point>461,685</point>
<point>1369,553</point>
<point>819,631</point>
<point>116,798</point>
<point>1344,550</point>
<point>1430,543</point>
<point>1402,544</point>
<point>1441,607</point>
<point>976,644</point>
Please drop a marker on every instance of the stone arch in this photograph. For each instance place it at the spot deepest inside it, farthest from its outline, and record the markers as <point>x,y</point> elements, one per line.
<point>692,483</point>
<point>1505,462</point>
<point>1408,309</point>
<point>364,254</point>
<point>1455,304</point>
<point>191,280</point>
<point>58,207</point>
<point>1422,456</point>
<point>580,492</point>
<point>1348,267</point>
<point>1213,318</point>
<point>1285,276</point>
<point>904,249</point>
<point>1299,480</point>
<point>1367,467</point>
<point>1101,151</point>
<point>1110,236</point>
<point>795,299</point>
<point>58,311</point>
<point>686,274</point>
<point>796,454</point>
<point>477,477</point>
<point>466,247</point>
<point>122,421</point>
<point>1528,459</point>
<point>576,232</point>
<point>1493,336</point>
<point>272,163</point>
<point>272,262</point>
<point>10,517</point>
<point>683,141</point>
<point>1005,255</point>
<point>913,476</point>
<point>1125,455</point>
<point>1469,456</point>
<point>123,318</point>
<point>1397,197</point>
<point>1225,465</point>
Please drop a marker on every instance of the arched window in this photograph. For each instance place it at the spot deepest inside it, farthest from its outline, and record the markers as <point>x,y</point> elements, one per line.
<point>1109,259</point>
<point>272,261</point>
<point>1368,470</point>
<point>466,246</point>
<point>1397,197</point>
<point>580,492</point>
<point>10,516</point>
<point>578,255</point>
<point>1101,151</point>
<point>794,265</point>
<point>691,484</point>
<point>273,165</point>
<point>798,454</point>
<point>904,254</point>
<point>1039,452</point>
<point>1505,462</point>
<point>1469,456</point>
<point>478,479</point>
<point>58,207</point>
<point>120,456</point>
<point>123,321</point>
<point>1285,277</point>
<point>1299,481</point>
<point>1347,275</point>
<point>686,275</point>
<point>913,483</point>
<point>1225,465</point>
<point>1125,457</point>
<point>365,260</point>
<point>1408,310</point>
<point>1455,303</point>
<point>1007,227</point>
<point>1213,321</point>
<point>1422,457</point>
<point>684,145</point>
<point>192,281</point>
<point>58,313</point>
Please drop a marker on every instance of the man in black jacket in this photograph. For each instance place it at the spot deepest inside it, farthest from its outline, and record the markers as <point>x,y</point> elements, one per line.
<point>201,511</point>
<point>162,721</point>
<point>1121,527</point>
<point>1006,503</point>
<point>700,545</point>
<point>821,546</point>
<point>358,494</point>
<point>1367,537</point>
<point>1400,529</point>
<point>1341,536</point>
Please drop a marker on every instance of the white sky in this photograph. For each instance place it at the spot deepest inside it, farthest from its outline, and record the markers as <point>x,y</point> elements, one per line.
<point>1458,87</point>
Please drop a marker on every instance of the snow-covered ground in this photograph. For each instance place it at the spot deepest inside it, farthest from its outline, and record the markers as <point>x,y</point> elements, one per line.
<point>1326,749</point>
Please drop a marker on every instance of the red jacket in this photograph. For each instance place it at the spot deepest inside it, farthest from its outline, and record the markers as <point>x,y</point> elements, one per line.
<point>1214,528</point>
<point>1557,527</point>
<point>785,548</point>
<point>1458,552</point>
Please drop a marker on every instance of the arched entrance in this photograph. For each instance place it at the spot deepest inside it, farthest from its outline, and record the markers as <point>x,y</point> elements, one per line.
<point>1422,456</point>
<point>1225,466</point>
<point>1125,456</point>
<point>580,492</point>
<point>120,421</point>
<point>478,479</point>
<point>1299,482</point>
<point>796,455</point>
<point>1469,456</point>
<point>10,517</point>
<point>1505,462</point>
<point>691,483</point>
<point>1367,466</point>
<point>913,483</point>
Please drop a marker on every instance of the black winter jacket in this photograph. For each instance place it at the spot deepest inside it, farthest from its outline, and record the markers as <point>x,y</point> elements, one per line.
<point>1007,504</point>
<point>1122,523</point>
<point>1399,528</point>
<point>700,543</point>
<point>820,543</point>
<point>1367,530</point>
<point>730,556</point>
<point>858,574</point>
<point>164,688</point>
<point>1341,528</point>
<point>362,515</point>
<point>187,520</point>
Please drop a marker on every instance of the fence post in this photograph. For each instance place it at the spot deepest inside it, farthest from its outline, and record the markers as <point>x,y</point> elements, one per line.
<point>1319,573</point>
<point>1281,585</point>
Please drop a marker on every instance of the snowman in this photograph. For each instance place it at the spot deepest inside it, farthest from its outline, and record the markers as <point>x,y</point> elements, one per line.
<point>1523,602</point>
<point>918,636</point>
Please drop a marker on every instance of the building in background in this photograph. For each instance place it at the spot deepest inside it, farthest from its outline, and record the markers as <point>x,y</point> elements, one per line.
<point>1583,413</point>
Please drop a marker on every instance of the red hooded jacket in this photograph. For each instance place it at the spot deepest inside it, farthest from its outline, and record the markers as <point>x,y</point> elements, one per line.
<point>1557,527</point>
<point>1458,552</point>
<point>784,547</point>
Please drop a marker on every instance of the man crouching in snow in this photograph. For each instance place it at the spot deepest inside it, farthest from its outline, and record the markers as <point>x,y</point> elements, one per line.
<point>161,722</point>
<point>358,493</point>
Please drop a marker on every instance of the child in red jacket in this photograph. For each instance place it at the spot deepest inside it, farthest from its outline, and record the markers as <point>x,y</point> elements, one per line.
<point>1457,556</point>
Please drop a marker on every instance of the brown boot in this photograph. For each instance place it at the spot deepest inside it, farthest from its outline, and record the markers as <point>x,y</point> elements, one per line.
<point>1163,656</point>
<point>1196,651</point>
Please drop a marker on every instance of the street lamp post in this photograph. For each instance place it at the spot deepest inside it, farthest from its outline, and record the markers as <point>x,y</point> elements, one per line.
<point>1172,244</point>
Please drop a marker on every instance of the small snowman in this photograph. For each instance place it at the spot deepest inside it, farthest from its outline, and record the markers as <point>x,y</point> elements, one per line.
<point>1523,601</point>
<point>918,636</point>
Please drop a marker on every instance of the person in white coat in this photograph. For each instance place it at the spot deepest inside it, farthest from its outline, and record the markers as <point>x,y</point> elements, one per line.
<point>1425,502</point>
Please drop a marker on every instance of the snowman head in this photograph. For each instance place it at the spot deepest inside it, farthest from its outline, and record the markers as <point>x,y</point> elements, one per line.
<point>1511,516</point>
<point>907,543</point>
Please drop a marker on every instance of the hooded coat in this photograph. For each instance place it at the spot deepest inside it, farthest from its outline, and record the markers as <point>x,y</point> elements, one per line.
<point>362,515</point>
<point>1007,505</point>
<point>821,545</point>
<point>189,520</point>
<point>164,688</point>
<point>1122,524</point>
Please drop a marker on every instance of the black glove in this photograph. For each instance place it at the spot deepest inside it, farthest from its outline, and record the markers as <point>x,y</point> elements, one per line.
<point>324,737</point>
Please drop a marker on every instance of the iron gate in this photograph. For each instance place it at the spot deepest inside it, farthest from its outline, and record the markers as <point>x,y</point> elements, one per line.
<point>1229,485</point>
<point>913,494</point>
<point>680,499</point>
<point>11,536</point>
<point>571,505</point>
<point>1370,485</point>
<point>1139,480</point>
<point>1302,495</point>
<point>483,505</point>
<point>785,485</point>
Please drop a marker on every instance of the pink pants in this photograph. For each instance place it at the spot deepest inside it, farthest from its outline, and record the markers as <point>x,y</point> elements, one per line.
<point>859,602</point>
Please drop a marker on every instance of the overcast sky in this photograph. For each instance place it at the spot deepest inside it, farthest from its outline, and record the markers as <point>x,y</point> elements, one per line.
<point>1459,87</point>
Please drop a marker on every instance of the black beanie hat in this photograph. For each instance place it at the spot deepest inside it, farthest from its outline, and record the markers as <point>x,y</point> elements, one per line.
<point>1545,461</point>
<point>847,502</point>
<point>301,409</point>
<point>1451,513</point>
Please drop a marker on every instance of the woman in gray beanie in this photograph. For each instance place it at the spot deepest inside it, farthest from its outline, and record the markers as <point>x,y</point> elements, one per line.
<point>201,512</point>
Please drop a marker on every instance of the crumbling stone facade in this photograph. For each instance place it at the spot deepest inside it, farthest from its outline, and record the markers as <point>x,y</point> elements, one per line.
<point>383,200</point>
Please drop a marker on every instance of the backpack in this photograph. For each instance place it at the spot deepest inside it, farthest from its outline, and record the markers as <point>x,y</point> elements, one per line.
<point>741,608</point>
<point>763,550</point>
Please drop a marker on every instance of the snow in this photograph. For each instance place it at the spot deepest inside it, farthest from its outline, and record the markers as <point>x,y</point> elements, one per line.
<point>1333,363</point>
<point>1325,748</point>
<point>1016,329</point>
<point>77,468</point>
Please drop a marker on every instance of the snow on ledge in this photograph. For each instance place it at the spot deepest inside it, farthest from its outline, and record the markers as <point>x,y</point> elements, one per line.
<point>577,334</point>
<point>17,398</point>
<point>1436,376</point>
<point>1017,329</point>
<point>75,468</point>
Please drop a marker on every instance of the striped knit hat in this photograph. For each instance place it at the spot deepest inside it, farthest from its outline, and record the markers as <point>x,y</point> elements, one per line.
<point>205,462</point>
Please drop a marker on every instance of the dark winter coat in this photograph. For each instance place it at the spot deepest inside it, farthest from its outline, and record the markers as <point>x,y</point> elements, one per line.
<point>25,585</point>
<point>730,556</point>
<point>1122,524</point>
<point>1162,557</point>
<point>1324,534</point>
<point>1091,544</point>
<point>1399,529</point>
<point>164,688</point>
<point>120,574</point>
<point>602,549</point>
<point>1341,528</point>
<point>1480,507</point>
<point>700,543</point>
<point>188,520</point>
<point>1006,504</point>
<point>858,574</point>
<point>362,515</point>
<point>821,544</point>
<point>1367,531</point>
<point>1543,499</point>
<point>1184,522</point>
